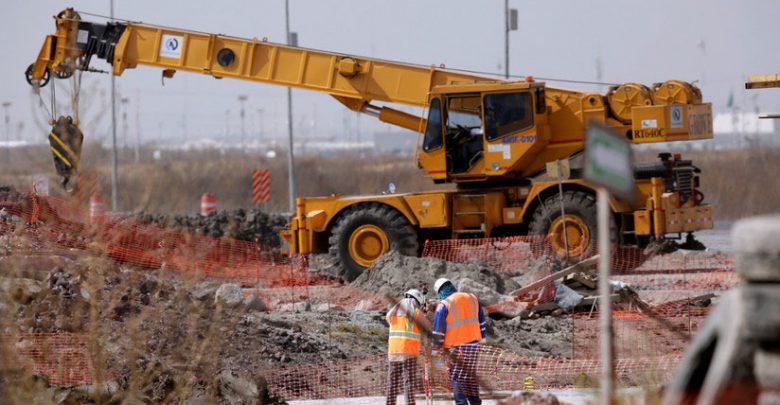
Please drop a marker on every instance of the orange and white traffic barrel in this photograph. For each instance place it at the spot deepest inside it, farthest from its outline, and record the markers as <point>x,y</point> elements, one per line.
<point>208,204</point>
<point>97,209</point>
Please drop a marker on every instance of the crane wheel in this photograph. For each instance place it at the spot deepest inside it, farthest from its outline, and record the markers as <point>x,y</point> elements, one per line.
<point>580,225</point>
<point>366,232</point>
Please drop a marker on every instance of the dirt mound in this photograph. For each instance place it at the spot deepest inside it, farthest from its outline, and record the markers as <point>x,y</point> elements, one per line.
<point>394,273</point>
<point>254,224</point>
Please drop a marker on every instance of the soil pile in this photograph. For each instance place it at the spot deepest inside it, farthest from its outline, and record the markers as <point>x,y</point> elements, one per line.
<point>394,273</point>
<point>254,224</point>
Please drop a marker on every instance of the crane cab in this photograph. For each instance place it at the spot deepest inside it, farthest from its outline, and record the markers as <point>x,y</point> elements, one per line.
<point>483,131</point>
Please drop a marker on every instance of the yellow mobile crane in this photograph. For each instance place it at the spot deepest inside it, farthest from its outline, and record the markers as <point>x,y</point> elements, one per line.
<point>489,137</point>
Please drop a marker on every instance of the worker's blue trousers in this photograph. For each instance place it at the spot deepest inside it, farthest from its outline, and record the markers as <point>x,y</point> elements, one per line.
<point>463,374</point>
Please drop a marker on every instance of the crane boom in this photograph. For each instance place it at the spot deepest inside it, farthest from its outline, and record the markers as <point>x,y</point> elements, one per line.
<point>353,81</point>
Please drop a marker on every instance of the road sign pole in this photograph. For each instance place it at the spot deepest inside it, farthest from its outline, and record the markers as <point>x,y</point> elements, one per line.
<point>605,318</point>
<point>563,211</point>
<point>609,164</point>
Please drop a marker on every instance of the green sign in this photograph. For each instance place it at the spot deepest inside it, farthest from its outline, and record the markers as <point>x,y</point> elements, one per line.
<point>608,161</point>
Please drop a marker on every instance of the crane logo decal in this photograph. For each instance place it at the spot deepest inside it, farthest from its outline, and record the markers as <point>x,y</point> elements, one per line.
<point>677,116</point>
<point>170,46</point>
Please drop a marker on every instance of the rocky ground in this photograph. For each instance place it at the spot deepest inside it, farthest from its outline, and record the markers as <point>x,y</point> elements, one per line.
<point>168,338</point>
<point>171,337</point>
<point>254,224</point>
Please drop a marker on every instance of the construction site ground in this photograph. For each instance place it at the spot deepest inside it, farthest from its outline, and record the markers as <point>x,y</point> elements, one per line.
<point>83,325</point>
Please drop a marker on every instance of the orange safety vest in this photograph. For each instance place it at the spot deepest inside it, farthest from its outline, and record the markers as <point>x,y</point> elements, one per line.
<point>462,319</point>
<point>405,335</point>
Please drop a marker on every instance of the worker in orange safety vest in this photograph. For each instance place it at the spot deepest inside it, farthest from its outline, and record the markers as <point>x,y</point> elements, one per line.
<point>404,342</point>
<point>458,328</point>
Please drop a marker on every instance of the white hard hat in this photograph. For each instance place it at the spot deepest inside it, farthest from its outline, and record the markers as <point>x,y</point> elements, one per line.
<point>440,283</point>
<point>416,294</point>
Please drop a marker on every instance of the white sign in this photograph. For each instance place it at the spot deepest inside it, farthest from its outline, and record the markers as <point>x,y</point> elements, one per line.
<point>170,46</point>
<point>608,161</point>
<point>82,37</point>
<point>504,149</point>
<point>649,124</point>
<point>676,116</point>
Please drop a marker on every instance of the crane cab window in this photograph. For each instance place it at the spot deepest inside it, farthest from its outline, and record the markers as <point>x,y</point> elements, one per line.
<point>463,132</point>
<point>433,139</point>
<point>507,113</point>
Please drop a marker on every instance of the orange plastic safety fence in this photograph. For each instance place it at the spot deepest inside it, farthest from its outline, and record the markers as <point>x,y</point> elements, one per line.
<point>514,253</point>
<point>636,334</point>
<point>523,257</point>
<point>62,358</point>
<point>485,370</point>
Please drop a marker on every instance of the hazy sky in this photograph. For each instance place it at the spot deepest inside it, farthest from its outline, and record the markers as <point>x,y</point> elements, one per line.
<point>717,42</point>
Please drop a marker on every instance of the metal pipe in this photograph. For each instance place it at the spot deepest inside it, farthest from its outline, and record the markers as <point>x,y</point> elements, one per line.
<point>6,106</point>
<point>290,154</point>
<point>114,163</point>
<point>605,310</point>
<point>242,98</point>
<point>137,127</point>
<point>506,39</point>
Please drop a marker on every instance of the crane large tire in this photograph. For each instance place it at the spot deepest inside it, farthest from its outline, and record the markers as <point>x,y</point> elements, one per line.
<point>366,232</point>
<point>580,220</point>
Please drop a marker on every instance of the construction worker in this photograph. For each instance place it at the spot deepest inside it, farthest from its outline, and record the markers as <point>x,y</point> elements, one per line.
<point>458,328</point>
<point>404,342</point>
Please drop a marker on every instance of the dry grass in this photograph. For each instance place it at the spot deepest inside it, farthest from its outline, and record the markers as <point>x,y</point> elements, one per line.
<point>738,183</point>
<point>175,183</point>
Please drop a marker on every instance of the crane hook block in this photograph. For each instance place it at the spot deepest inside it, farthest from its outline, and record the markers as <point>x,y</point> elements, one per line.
<point>65,141</point>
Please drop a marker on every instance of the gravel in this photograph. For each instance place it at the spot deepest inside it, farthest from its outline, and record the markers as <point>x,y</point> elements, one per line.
<point>254,224</point>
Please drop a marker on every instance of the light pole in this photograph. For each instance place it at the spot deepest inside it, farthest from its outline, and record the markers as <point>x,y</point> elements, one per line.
<point>124,101</point>
<point>6,107</point>
<point>137,127</point>
<point>510,24</point>
<point>242,99</point>
<point>260,123</point>
<point>292,40</point>
<point>114,168</point>
<point>227,124</point>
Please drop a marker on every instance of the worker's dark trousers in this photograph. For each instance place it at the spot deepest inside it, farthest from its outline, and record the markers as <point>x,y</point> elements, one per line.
<point>463,374</point>
<point>395,370</point>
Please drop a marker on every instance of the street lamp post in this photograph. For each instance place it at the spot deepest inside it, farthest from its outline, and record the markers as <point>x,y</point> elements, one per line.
<point>227,124</point>
<point>260,123</point>
<point>292,40</point>
<point>7,119</point>
<point>242,99</point>
<point>510,24</point>
<point>114,163</point>
<point>124,101</point>
<point>137,148</point>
